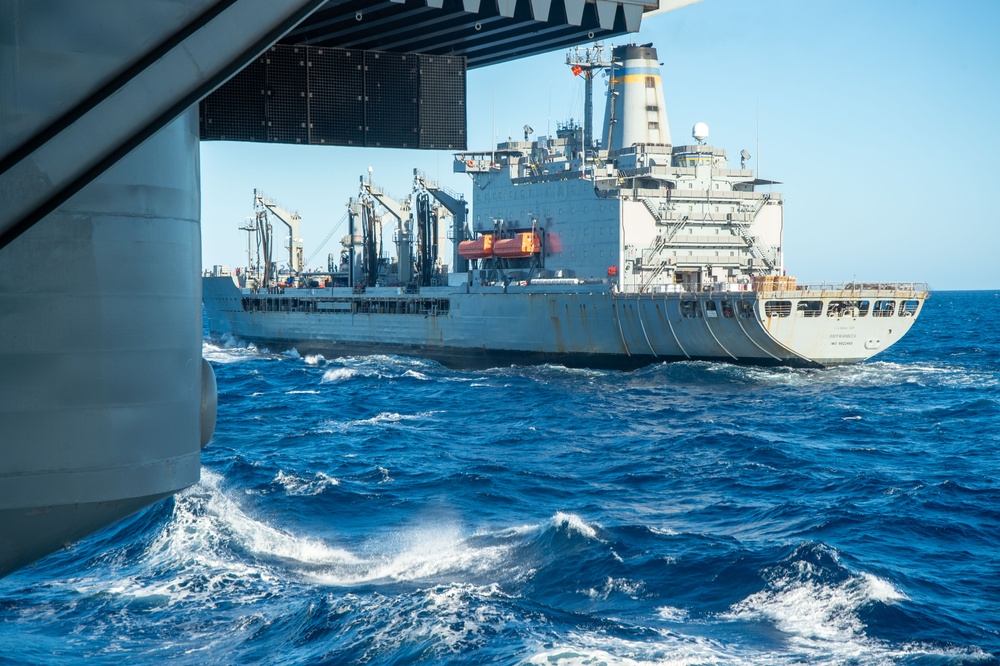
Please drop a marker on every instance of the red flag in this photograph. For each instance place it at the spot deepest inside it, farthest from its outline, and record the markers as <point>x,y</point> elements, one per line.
<point>577,70</point>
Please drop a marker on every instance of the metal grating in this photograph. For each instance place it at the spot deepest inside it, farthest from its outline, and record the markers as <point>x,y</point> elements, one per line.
<point>391,91</point>
<point>442,103</point>
<point>322,96</point>
<point>287,94</point>
<point>247,92</point>
<point>336,97</point>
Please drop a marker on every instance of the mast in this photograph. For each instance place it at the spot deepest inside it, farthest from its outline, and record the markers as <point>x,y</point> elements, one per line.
<point>585,63</point>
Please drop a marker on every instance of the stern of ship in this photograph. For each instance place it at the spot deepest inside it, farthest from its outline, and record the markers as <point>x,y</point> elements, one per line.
<point>839,324</point>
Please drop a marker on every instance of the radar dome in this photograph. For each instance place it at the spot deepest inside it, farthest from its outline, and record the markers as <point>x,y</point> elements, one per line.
<point>700,132</point>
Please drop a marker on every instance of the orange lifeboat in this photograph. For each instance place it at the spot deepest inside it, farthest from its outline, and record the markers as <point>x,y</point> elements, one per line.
<point>518,247</point>
<point>481,248</point>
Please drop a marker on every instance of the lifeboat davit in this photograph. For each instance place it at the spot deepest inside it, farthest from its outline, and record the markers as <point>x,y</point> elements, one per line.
<point>518,247</point>
<point>480,248</point>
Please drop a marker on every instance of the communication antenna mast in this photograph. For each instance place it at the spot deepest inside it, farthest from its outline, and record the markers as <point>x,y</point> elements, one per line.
<point>584,62</point>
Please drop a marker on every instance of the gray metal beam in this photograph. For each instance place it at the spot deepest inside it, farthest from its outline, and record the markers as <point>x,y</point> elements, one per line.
<point>50,166</point>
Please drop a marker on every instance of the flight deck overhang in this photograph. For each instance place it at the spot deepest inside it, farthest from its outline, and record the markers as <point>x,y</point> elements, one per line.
<point>391,73</point>
<point>485,32</point>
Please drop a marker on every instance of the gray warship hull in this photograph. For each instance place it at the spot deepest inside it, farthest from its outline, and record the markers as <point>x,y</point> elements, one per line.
<point>587,326</point>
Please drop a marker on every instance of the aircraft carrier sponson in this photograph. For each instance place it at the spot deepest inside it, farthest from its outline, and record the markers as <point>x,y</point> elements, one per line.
<point>105,400</point>
<point>619,255</point>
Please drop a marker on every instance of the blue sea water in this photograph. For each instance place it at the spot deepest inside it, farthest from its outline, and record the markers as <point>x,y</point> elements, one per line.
<point>386,510</point>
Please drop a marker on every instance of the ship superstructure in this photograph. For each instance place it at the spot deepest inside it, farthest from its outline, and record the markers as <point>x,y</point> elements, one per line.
<point>622,254</point>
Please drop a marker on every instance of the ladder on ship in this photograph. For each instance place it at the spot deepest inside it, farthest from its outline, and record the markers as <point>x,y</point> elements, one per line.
<point>743,229</point>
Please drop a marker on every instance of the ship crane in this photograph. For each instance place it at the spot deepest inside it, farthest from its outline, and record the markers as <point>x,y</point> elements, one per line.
<point>291,220</point>
<point>258,241</point>
<point>403,236</point>
<point>459,209</point>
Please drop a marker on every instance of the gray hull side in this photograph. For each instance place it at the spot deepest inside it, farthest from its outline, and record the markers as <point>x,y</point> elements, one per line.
<point>101,381</point>
<point>594,329</point>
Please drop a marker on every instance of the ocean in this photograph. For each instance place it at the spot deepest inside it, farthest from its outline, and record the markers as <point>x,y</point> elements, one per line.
<point>388,510</point>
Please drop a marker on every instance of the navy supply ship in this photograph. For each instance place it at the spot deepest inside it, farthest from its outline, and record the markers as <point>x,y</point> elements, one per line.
<point>632,253</point>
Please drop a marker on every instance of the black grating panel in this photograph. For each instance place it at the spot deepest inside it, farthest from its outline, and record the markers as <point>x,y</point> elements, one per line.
<point>287,91</point>
<point>336,103</point>
<point>391,91</point>
<point>237,111</point>
<point>300,94</point>
<point>442,103</point>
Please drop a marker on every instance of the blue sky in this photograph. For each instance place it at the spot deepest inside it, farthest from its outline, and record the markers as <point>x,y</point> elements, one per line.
<point>880,119</point>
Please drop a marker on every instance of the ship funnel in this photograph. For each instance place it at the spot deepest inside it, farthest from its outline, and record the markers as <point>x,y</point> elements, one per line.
<point>635,110</point>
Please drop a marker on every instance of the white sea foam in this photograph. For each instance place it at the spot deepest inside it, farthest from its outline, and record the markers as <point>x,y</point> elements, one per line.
<point>599,649</point>
<point>220,519</point>
<point>302,392</point>
<point>384,473</point>
<point>339,374</point>
<point>819,618</point>
<point>314,359</point>
<point>872,374</point>
<point>296,485</point>
<point>631,588</point>
<point>671,614</point>
<point>663,531</point>
<point>382,419</point>
<point>212,550</point>
<point>449,619</point>
<point>422,554</point>
<point>227,350</point>
<point>573,523</point>
<point>429,552</point>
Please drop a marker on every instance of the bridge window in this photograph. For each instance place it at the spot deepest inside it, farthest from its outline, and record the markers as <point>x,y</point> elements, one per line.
<point>710,310</point>
<point>727,309</point>
<point>777,308</point>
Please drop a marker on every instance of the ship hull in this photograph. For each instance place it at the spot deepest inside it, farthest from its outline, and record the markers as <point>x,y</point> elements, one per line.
<point>583,325</point>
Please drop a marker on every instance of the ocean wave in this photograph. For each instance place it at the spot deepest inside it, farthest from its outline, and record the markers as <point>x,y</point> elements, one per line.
<point>380,420</point>
<point>873,374</point>
<point>339,374</point>
<point>378,367</point>
<point>816,602</point>
<point>572,523</point>
<point>299,486</point>
<point>227,350</point>
<point>212,548</point>
<point>443,623</point>
<point>599,649</point>
<point>379,509</point>
<point>419,555</point>
<point>314,359</point>
<point>425,553</point>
